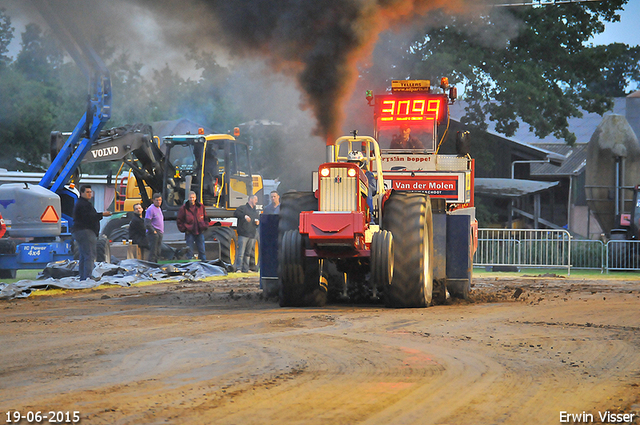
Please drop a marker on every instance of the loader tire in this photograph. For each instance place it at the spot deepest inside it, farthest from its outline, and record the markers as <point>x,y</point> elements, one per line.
<point>227,239</point>
<point>8,273</point>
<point>117,228</point>
<point>7,246</point>
<point>103,250</point>
<point>407,215</point>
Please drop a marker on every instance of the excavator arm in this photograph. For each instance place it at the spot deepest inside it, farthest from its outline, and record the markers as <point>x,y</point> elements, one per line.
<point>135,146</point>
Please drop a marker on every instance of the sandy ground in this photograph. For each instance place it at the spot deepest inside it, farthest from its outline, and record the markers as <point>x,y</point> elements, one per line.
<point>523,351</point>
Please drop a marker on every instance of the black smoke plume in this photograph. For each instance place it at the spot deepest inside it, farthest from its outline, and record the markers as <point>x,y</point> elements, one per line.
<point>318,41</point>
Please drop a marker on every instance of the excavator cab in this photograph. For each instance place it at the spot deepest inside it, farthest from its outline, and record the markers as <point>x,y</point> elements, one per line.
<point>227,174</point>
<point>215,166</point>
<point>183,170</point>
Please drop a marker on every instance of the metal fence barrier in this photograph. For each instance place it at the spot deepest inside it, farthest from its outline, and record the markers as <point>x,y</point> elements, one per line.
<point>588,254</point>
<point>544,248</point>
<point>623,255</point>
<point>524,248</point>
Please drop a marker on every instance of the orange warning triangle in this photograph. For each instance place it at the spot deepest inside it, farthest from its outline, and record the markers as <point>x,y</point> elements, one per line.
<point>49,215</point>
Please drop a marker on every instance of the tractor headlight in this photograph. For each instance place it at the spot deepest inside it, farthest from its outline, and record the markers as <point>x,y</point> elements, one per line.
<point>351,172</point>
<point>324,172</point>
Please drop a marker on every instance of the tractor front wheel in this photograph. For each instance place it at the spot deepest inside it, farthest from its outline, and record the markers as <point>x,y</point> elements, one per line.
<point>382,259</point>
<point>291,269</point>
<point>301,283</point>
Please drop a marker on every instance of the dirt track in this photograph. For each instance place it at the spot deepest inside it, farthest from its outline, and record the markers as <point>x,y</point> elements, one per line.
<point>200,353</point>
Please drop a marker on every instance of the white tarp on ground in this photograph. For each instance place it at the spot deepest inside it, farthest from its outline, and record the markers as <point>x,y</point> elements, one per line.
<point>63,275</point>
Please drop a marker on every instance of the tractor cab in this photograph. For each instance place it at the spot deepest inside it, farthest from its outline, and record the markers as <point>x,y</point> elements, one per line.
<point>348,196</point>
<point>363,153</point>
<point>408,118</point>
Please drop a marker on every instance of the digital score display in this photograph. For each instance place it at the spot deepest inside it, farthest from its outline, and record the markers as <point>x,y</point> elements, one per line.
<point>411,109</point>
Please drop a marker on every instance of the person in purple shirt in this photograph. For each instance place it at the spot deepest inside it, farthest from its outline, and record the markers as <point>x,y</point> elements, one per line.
<point>154,222</point>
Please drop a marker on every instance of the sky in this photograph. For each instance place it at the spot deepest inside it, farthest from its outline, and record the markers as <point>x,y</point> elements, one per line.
<point>625,31</point>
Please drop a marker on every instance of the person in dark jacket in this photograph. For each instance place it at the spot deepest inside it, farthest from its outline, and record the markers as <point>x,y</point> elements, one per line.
<point>405,140</point>
<point>248,221</point>
<point>86,226</point>
<point>192,221</point>
<point>137,231</point>
<point>274,206</point>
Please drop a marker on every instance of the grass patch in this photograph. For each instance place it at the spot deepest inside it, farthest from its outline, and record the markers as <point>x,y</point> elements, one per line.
<point>480,272</point>
<point>22,275</point>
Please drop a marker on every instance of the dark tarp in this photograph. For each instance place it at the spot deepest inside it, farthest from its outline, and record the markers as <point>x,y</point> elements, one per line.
<point>64,275</point>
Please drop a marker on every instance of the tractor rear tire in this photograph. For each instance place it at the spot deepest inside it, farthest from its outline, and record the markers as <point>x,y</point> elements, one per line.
<point>407,215</point>
<point>382,260</point>
<point>460,289</point>
<point>300,282</point>
<point>293,203</point>
<point>227,239</point>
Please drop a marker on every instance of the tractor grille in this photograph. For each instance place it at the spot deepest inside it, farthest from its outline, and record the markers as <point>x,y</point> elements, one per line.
<point>338,192</point>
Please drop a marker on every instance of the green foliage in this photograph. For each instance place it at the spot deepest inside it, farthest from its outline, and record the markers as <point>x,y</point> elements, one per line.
<point>6,35</point>
<point>620,66</point>
<point>484,215</point>
<point>40,58</point>
<point>29,91</point>
<point>531,63</point>
<point>40,92</point>
<point>131,92</point>
<point>26,117</point>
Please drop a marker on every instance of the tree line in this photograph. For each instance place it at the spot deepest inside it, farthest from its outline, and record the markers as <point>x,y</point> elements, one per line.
<point>41,92</point>
<point>540,70</point>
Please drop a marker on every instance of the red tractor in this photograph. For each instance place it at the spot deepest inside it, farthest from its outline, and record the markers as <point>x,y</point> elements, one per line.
<point>376,238</point>
<point>396,223</point>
